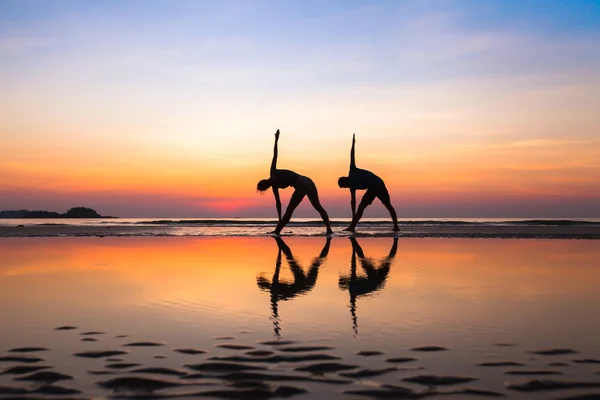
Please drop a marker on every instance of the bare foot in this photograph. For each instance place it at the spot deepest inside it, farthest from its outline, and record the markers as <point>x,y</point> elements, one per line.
<point>349,229</point>
<point>396,229</point>
<point>273,233</point>
<point>329,232</point>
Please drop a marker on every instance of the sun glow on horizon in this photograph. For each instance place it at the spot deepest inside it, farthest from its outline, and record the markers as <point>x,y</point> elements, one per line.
<point>463,108</point>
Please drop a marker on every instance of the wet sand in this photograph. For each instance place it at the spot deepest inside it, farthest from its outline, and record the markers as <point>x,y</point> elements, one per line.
<point>279,369</point>
<point>190,317</point>
<point>454,231</point>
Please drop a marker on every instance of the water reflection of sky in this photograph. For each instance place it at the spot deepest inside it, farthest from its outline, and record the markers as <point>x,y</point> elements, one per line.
<point>456,292</point>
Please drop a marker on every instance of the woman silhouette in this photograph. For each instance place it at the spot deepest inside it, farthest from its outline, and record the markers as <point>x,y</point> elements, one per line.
<point>283,178</point>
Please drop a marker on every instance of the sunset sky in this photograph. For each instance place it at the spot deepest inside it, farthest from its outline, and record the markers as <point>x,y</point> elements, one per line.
<point>465,108</point>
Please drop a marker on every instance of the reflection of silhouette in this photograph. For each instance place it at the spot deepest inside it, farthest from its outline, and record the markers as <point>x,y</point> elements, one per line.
<point>363,285</point>
<point>303,185</point>
<point>281,290</point>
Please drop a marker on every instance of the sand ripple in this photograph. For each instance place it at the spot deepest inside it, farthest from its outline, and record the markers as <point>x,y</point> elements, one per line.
<point>323,368</point>
<point>44,376</point>
<point>100,354</point>
<point>539,372</point>
<point>159,371</point>
<point>369,353</point>
<point>27,349</point>
<point>553,352</point>
<point>23,369</point>
<point>438,380</point>
<point>234,346</point>
<point>221,367</point>
<point>190,351</point>
<point>246,375</point>
<point>544,385</point>
<point>21,359</point>
<point>429,348</point>
<point>137,384</point>
<point>279,358</point>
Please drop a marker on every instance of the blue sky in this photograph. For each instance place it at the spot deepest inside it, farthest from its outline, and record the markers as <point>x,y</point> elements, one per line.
<point>448,96</point>
<point>390,38</point>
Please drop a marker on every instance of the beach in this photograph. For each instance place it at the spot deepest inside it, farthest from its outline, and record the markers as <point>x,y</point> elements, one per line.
<point>299,200</point>
<point>297,316</point>
<point>441,228</point>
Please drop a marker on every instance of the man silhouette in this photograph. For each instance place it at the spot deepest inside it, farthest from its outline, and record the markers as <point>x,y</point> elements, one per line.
<point>361,179</point>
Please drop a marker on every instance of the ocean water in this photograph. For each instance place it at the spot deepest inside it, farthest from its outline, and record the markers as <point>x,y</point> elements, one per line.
<point>299,226</point>
<point>483,300</point>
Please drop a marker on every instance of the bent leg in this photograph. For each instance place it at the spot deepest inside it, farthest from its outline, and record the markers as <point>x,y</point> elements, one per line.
<point>393,215</point>
<point>314,200</point>
<point>295,200</point>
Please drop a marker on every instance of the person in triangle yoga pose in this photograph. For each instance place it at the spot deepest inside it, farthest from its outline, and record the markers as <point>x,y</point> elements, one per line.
<point>303,185</point>
<point>361,179</point>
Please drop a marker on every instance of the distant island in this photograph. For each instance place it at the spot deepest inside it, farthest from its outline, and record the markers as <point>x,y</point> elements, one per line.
<point>75,212</point>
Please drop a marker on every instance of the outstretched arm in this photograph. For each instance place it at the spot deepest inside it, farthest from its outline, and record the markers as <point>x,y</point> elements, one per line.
<point>317,261</point>
<point>274,162</point>
<point>277,201</point>
<point>353,201</point>
<point>325,250</point>
<point>387,262</point>
<point>352,159</point>
<point>394,249</point>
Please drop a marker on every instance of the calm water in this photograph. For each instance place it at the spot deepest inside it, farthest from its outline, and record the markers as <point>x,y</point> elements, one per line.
<point>588,228</point>
<point>371,294</point>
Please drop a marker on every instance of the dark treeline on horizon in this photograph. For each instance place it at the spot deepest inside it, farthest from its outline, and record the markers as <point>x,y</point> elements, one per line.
<point>75,212</point>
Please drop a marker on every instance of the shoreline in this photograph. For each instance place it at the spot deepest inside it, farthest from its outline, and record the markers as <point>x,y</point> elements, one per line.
<point>591,232</point>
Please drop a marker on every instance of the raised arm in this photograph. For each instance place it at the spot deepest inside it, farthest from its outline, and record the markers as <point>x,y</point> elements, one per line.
<point>274,162</point>
<point>353,201</point>
<point>277,201</point>
<point>352,159</point>
<point>325,250</point>
<point>317,261</point>
<point>394,249</point>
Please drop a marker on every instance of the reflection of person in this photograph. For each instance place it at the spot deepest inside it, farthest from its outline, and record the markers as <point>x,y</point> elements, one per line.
<point>363,285</point>
<point>283,178</point>
<point>361,179</point>
<point>302,283</point>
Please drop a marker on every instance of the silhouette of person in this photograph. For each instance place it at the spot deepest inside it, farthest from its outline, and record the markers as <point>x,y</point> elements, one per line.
<point>303,185</point>
<point>303,282</point>
<point>363,285</point>
<point>361,179</point>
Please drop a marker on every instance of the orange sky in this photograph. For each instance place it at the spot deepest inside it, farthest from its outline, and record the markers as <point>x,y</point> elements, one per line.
<point>162,117</point>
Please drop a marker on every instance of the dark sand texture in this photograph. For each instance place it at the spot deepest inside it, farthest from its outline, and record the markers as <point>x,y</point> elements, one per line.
<point>244,376</point>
